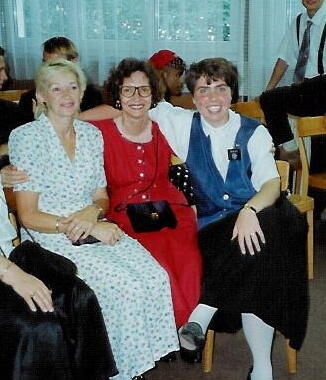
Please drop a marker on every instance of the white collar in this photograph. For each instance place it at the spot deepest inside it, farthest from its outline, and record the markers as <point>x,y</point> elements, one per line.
<point>318,18</point>
<point>208,129</point>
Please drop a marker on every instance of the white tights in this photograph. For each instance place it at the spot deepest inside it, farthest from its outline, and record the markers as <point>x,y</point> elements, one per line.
<point>258,334</point>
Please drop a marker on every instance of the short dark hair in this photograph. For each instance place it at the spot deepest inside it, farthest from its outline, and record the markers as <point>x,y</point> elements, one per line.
<point>2,51</point>
<point>124,70</point>
<point>61,45</point>
<point>178,64</point>
<point>213,69</point>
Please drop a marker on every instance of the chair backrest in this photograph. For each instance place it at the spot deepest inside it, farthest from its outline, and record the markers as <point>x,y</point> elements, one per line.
<point>250,109</point>
<point>307,127</point>
<point>12,95</point>
<point>283,168</point>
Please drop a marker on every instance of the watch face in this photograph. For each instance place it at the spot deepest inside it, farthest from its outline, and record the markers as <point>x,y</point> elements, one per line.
<point>234,154</point>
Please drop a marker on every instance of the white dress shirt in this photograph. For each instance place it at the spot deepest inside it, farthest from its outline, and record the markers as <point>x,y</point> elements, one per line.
<point>289,48</point>
<point>175,123</point>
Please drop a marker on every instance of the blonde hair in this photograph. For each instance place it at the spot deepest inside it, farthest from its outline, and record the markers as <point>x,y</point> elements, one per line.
<point>50,68</point>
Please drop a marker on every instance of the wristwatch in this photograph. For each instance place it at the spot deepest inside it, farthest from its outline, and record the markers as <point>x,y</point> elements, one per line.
<point>247,206</point>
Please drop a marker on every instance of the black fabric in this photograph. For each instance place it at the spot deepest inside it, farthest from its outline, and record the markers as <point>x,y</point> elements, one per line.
<point>69,344</point>
<point>92,98</point>
<point>151,216</point>
<point>10,118</point>
<point>271,284</point>
<point>305,99</point>
<point>180,177</point>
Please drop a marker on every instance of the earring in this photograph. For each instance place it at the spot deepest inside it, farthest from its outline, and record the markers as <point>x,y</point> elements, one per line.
<point>153,105</point>
<point>118,105</point>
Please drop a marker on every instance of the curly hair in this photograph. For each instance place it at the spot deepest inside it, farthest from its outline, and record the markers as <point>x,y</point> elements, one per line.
<point>124,70</point>
<point>213,69</point>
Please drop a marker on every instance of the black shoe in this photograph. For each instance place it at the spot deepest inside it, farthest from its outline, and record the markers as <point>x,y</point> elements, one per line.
<point>190,356</point>
<point>170,357</point>
<point>192,333</point>
<point>249,374</point>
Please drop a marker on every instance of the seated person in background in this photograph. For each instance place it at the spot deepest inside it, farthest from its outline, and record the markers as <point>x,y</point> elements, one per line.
<point>170,69</point>
<point>61,202</point>
<point>137,161</point>
<point>302,52</point>
<point>41,338</point>
<point>9,112</point>
<point>59,47</point>
<point>307,98</point>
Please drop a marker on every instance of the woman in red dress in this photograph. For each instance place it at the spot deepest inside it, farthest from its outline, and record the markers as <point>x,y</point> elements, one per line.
<point>137,160</point>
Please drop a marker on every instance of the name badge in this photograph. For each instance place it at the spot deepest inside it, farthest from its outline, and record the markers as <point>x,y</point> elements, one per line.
<point>234,154</point>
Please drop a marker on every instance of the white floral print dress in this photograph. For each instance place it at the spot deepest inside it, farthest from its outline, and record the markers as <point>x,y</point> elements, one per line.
<point>132,289</point>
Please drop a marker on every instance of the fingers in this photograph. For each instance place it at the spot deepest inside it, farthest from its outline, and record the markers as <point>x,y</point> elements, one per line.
<point>251,242</point>
<point>115,234</point>
<point>43,300</point>
<point>39,296</point>
<point>10,176</point>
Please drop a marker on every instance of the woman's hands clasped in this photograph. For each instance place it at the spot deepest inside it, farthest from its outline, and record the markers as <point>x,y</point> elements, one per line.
<point>80,224</point>
<point>247,230</point>
<point>108,233</point>
<point>83,223</point>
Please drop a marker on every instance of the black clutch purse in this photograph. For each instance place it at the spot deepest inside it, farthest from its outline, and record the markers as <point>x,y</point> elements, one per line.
<point>151,216</point>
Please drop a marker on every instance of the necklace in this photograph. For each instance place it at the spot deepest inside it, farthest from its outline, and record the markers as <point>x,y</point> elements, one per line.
<point>143,137</point>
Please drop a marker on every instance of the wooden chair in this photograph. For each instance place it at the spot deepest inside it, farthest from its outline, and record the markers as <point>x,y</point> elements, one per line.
<point>12,95</point>
<point>299,199</point>
<point>207,359</point>
<point>307,127</point>
<point>250,109</point>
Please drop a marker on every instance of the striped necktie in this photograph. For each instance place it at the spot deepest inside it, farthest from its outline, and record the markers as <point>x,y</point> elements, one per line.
<point>300,68</point>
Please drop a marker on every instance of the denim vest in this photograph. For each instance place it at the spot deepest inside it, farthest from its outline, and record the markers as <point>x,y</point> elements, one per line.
<point>214,197</point>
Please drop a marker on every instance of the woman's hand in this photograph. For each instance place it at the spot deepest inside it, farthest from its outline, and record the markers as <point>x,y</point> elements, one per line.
<point>80,223</point>
<point>30,288</point>
<point>108,233</point>
<point>11,176</point>
<point>247,229</point>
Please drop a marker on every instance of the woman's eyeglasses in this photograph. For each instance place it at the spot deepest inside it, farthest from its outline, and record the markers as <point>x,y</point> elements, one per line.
<point>129,91</point>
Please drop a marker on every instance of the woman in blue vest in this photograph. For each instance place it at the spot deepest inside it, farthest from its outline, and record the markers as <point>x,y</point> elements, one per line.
<point>252,240</point>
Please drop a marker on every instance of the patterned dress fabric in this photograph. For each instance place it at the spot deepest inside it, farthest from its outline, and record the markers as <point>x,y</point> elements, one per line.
<point>132,289</point>
<point>138,173</point>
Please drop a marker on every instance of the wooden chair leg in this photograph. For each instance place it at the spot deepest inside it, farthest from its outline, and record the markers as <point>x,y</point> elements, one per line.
<point>208,351</point>
<point>310,244</point>
<point>292,357</point>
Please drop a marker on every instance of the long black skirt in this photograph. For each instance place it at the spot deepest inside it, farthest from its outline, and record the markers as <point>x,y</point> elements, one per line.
<point>69,344</point>
<point>271,284</point>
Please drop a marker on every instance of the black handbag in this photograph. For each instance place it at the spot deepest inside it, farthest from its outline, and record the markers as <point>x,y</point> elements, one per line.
<point>151,216</point>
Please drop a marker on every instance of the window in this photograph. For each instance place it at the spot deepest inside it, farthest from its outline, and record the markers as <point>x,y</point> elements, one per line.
<point>105,31</point>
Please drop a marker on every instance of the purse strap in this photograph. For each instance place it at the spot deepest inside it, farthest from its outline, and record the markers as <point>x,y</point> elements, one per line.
<point>122,205</point>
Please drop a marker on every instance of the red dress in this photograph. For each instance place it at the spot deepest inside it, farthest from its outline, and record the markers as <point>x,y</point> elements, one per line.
<point>131,167</point>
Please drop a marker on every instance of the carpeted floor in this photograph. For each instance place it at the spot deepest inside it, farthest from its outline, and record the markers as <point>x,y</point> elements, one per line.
<point>232,357</point>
